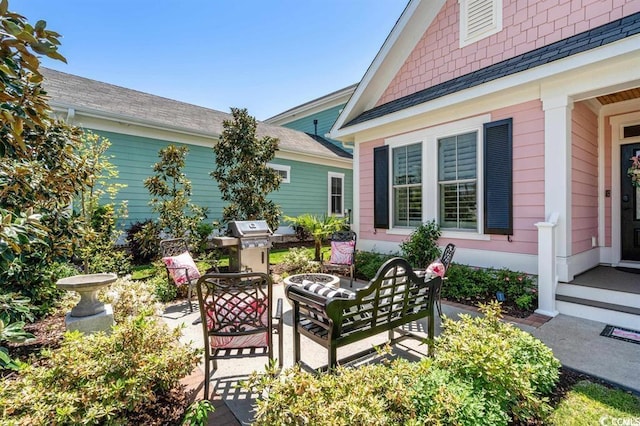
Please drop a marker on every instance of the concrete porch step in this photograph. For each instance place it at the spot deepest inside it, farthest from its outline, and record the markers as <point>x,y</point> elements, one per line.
<point>595,310</point>
<point>608,297</point>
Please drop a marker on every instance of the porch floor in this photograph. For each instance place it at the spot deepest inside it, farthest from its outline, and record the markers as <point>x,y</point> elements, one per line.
<point>610,278</point>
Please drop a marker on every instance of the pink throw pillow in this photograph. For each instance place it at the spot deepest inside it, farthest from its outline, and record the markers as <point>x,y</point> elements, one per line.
<point>436,268</point>
<point>249,313</point>
<point>178,267</point>
<point>342,252</point>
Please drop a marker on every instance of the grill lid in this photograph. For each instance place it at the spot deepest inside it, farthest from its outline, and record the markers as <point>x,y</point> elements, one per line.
<point>249,228</point>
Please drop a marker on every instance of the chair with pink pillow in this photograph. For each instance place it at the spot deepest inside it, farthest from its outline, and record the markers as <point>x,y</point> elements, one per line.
<point>181,268</point>
<point>237,318</point>
<point>343,254</point>
<point>439,267</point>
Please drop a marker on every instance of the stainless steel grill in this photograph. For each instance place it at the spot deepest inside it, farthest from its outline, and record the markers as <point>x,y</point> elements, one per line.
<point>249,244</point>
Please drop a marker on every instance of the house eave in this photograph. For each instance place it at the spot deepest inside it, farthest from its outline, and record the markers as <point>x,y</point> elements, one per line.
<point>332,99</point>
<point>397,47</point>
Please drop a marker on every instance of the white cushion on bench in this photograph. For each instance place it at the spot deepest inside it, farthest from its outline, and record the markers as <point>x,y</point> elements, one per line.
<point>327,290</point>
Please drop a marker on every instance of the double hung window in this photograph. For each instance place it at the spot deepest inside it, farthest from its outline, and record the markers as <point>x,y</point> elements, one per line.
<point>336,194</point>
<point>407,185</point>
<point>458,181</point>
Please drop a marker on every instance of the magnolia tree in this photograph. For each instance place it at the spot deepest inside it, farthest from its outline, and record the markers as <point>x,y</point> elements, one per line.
<point>40,168</point>
<point>170,194</point>
<point>242,173</point>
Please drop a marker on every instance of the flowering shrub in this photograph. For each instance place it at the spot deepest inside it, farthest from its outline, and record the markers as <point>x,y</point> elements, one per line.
<point>131,298</point>
<point>484,372</point>
<point>298,261</point>
<point>99,378</point>
<point>512,367</point>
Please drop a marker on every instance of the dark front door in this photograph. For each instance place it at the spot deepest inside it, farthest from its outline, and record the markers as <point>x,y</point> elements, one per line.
<point>629,205</point>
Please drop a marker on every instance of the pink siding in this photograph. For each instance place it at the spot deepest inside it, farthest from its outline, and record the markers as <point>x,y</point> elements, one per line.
<point>528,184</point>
<point>584,177</point>
<point>527,25</point>
<point>366,190</point>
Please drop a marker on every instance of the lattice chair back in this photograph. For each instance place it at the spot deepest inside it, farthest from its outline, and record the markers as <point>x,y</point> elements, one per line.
<point>173,247</point>
<point>180,266</point>
<point>343,252</point>
<point>236,312</point>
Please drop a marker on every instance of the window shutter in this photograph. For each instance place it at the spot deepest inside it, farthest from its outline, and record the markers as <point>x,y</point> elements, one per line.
<point>498,173</point>
<point>381,187</point>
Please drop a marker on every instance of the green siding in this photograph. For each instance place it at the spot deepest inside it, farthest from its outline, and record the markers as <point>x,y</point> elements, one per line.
<point>325,119</point>
<point>135,156</point>
<point>308,190</point>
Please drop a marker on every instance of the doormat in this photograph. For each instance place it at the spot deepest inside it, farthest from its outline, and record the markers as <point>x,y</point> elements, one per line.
<point>631,336</point>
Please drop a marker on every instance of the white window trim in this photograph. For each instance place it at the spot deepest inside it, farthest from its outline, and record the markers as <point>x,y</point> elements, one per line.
<point>282,168</point>
<point>493,28</point>
<point>331,175</point>
<point>429,138</point>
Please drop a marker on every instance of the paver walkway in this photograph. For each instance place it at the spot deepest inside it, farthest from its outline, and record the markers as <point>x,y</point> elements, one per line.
<point>575,342</point>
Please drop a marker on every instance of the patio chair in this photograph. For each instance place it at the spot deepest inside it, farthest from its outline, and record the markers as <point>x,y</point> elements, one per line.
<point>343,254</point>
<point>237,321</point>
<point>440,267</point>
<point>181,267</point>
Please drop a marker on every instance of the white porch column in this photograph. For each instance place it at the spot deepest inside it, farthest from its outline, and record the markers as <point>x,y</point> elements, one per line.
<point>557,174</point>
<point>547,272</point>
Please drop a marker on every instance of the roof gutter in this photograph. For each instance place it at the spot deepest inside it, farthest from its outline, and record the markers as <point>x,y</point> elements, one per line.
<point>72,113</point>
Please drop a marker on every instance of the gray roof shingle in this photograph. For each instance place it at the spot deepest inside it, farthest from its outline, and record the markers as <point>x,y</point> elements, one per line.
<point>86,95</point>
<point>591,39</point>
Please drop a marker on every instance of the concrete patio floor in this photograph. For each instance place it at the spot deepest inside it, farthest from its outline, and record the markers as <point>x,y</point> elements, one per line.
<point>575,342</point>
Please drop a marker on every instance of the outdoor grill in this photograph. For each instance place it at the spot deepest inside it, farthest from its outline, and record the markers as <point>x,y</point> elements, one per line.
<point>249,243</point>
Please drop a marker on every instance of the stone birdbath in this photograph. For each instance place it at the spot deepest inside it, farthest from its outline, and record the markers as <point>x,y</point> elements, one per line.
<point>88,287</point>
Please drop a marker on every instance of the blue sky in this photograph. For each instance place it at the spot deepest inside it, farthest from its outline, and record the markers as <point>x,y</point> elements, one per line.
<point>263,55</point>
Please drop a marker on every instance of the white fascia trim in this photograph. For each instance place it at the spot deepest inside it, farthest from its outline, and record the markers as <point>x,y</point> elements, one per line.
<point>343,163</point>
<point>591,58</point>
<point>404,36</point>
<point>313,107</point>
<point>88,112</point>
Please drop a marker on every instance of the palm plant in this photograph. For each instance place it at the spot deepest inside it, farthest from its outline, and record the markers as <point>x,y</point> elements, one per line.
<point>319,227</point>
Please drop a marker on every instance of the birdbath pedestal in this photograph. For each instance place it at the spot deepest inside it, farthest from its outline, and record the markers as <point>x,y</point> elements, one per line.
<point>90,314</point>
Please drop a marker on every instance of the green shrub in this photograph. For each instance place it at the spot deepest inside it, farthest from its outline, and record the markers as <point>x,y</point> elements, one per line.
<point>143,241</point>
<point>131,298</point>
<point>368,263</point>
<point>422,246</point>
<point>478,284</point>
<point>15,307</point>
<point>514,369</point>
<point>162,288</point>
<point>443,399</point>
<point>298,261</point>
<point>368,395</point>
<point>99,378</point>
<point>198,413</point>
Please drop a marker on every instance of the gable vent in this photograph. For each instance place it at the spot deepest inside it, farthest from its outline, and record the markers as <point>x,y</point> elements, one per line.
<point>479,19</point>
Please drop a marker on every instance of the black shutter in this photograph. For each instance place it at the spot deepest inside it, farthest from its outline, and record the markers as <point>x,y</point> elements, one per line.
<point>498,162</point>
<point>381,187</point>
